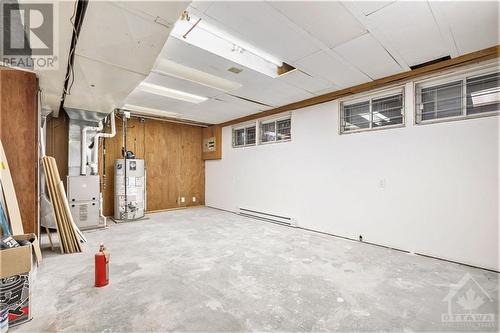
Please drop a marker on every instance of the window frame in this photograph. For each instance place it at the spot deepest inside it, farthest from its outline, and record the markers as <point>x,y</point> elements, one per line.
<point>369,97</point>
<point>462,76</point>
<point>244,127</point>
<point>274,120</point>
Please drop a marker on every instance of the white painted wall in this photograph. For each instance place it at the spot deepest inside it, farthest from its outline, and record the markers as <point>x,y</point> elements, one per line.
<point>441,182</point>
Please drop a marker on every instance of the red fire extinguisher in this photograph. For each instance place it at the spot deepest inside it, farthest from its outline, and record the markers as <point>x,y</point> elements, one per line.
<point>101,267</point>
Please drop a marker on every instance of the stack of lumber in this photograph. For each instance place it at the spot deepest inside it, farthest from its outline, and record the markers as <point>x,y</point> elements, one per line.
<point>69,234</point>
<point>10,204</point>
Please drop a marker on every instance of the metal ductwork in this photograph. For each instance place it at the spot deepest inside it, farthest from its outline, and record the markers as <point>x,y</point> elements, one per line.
<point>84,126</point>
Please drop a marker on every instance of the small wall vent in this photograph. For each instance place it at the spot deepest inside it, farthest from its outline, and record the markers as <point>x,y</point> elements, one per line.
<point>283,220</point>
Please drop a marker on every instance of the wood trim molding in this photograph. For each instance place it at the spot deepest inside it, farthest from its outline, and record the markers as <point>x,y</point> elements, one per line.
<point>478,56</point>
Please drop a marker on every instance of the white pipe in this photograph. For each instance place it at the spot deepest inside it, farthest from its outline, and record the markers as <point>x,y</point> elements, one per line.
<point>83,158</point>
<point>101,213</point>
<point>95,149</point>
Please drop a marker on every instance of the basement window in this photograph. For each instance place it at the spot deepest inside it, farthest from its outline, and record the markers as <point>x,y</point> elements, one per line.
<point>276,130</point>
<point>459,97</point>
<point>244,136</point>
<point>375,112</point>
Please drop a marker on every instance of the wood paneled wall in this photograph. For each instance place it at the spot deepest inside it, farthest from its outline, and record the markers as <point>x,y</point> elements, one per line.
<point>19,134</point>
<point>172,154</point>
<point>56,144</point>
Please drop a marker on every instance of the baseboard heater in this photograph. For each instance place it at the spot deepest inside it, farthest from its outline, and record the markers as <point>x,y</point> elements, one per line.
<point>283,220</point>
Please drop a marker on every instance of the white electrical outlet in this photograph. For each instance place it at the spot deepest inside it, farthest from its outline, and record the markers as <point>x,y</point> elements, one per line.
<point>194,199</point>
<point>183,200</point>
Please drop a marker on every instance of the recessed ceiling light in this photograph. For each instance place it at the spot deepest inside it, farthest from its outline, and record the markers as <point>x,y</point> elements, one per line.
<point>174,69</point>
<point>151,111</point>
<point>212,39</point>
<point>171,93</point>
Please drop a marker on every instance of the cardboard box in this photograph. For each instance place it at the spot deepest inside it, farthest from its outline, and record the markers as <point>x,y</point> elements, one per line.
<point>16,273</point>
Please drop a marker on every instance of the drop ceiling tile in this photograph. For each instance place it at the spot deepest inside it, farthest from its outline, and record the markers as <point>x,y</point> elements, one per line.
<point>474,25</point>
<point>218,110</point>
<point>370,7</point>
<point>299,79</point>
<point>182,85</point>
<point>168,11</point>
<point>200,6</point>
<point>274,93</point>
<point>197,58</point>
<point>141,98</point>
<point>120,37</point>
<point>412,31</point>
<point>259,24</point>
<point>369,56</point>
<point>328,21</point>
<point>100,87</point>
<point>333,68</point>
<point>242,104</point>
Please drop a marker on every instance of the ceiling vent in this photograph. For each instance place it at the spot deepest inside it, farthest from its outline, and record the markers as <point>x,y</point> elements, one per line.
<point>235,70</point>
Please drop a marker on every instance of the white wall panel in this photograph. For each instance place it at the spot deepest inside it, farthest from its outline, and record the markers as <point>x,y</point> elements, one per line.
<point>440,196</point>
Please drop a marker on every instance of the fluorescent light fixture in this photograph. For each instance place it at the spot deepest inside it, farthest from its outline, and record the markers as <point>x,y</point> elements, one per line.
<point>212,39</point>
<point>171,68</point>
<point>150,111</point>
<point>486,96</point>
<point>172,93</point>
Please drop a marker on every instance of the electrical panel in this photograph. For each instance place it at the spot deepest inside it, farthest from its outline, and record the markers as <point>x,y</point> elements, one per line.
<point>212,148</point>
<point>209,144</point>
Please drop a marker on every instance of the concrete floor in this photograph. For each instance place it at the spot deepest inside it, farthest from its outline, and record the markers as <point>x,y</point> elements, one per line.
<point>207,270</point>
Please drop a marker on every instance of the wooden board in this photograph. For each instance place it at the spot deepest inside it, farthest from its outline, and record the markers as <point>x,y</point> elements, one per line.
<point>51,191</point>
<point>57,130</point>
<point>482,55</point>
<point>10,196</point>
<point>172,154</point>
<point>19,134</point>
<point>163,142</point>
<point>69,234</point>
<point>192,180</point>
<point>213,132</point>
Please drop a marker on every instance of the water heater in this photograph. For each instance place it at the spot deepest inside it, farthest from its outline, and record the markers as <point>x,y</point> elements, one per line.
<point>130,189</point>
